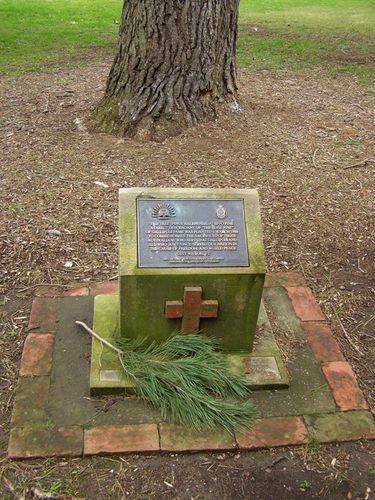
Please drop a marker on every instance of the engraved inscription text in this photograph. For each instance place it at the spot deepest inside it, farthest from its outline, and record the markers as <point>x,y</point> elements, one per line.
<point>193,242</point>
<point>191,233</point>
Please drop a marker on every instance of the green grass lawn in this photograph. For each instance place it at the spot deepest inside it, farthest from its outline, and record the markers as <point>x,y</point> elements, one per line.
<point>274,34</point>
<point>336,34</point>
<point>35,34</point>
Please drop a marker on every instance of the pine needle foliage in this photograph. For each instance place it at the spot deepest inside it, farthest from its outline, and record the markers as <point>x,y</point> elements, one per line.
<point>188,379</point>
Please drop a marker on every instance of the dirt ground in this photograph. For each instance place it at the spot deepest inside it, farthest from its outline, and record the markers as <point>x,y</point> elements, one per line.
<point>304,140</point>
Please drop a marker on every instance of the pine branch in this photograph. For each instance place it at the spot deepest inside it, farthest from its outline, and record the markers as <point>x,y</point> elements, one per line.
<point>187,379</point>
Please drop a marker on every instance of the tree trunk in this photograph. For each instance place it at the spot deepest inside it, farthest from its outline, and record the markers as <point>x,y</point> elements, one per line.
<point>175,64</point>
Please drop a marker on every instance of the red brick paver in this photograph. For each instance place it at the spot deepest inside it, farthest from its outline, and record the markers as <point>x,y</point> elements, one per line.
<point>56,291</point>
<point>344,386</point>
<point>323,342</point>
<point>37,354</point>
<point>304,303</point>
<point>48,291</point>
<point>121,439</point>
<point>181,438</point>
<point>43,314</point>
<point>282,278</point>
<point>105,288</point>
<point>270,432</point>
<point>76,292</point>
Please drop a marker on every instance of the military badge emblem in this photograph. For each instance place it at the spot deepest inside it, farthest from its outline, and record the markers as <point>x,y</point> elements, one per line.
<point>221,212</point>
<point>163,211</point>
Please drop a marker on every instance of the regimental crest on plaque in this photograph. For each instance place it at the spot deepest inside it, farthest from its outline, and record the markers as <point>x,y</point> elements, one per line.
<point>221,212</point>
<point>163,211</point>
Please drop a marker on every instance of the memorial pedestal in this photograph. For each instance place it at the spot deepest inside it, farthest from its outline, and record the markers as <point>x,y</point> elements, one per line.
<point>174,240</point>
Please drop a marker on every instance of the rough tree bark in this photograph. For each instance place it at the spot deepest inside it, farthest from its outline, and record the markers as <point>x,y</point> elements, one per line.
<point>175,65</point>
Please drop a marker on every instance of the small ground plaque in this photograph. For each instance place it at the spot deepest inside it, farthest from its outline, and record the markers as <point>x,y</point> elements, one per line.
<point>191,233</point>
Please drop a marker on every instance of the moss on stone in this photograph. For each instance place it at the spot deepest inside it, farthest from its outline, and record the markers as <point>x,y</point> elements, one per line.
<point>177,438</point>
<point>38,442</point>
<point>341,426</point>
<point>31,400</point>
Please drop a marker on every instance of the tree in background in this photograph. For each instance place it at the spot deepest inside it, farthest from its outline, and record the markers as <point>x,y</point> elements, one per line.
<point>175,65</point>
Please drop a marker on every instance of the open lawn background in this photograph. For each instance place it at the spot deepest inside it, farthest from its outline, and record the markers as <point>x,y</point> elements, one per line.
<point>274,34</point>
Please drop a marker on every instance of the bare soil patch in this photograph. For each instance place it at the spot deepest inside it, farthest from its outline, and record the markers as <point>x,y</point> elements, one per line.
<point>294,139</point>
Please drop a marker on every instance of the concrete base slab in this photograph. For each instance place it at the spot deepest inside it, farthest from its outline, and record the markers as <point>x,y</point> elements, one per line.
<point>264,367</point>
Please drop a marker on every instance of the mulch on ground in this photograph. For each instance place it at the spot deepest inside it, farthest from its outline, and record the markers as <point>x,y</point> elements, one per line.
<point>304,140</point>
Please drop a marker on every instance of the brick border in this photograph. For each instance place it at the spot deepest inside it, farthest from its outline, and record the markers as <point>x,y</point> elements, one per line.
<point>272,432</point>
<point>105,288</point>
<point>304,304</point>
<point>33,435</point>
<point>338,373</point>
<point>43,315</point>
<point>37,354</point>
<point>344,386</point>
<point>175,438</point>
<point>34,442</point>
<point>51,291</point>
<point>138,438</point>
<point>322,342</point>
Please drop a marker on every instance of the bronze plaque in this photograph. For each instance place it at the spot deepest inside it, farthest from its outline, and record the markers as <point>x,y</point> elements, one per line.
<point>191,233</point>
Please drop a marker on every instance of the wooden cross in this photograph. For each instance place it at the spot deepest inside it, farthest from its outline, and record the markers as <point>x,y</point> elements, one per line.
<point>191,309</point>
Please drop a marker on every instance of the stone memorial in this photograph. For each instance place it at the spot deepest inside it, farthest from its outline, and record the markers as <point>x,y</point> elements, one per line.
<point>190,261</point>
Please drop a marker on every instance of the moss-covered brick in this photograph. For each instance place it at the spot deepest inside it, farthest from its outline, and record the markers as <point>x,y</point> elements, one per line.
<point>30,400</point>
<point>285,317</point>
<point>341,426</point>
<point>39,441</point>
<point>144,291</point>
<point>178,438</point>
